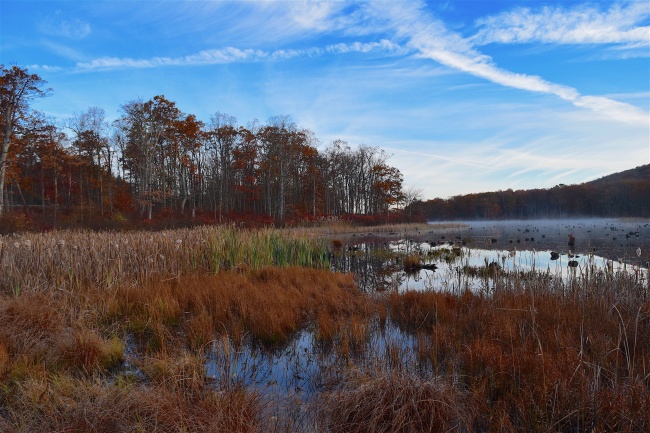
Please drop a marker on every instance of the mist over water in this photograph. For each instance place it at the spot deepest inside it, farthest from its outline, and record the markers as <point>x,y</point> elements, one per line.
<point>612,239</point>
<point>561,248</point>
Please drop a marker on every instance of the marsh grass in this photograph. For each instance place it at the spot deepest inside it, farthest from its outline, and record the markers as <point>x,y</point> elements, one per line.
<point>74,260</point>
<point>63,366</point>
<point>537,361</point>
<point>387,402</point>
<point>81,352</point>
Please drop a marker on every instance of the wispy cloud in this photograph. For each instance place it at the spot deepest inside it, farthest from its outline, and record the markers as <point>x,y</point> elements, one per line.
<point>71,28</point>
<point>46,68</point>
<point>620,24</point>
<point>233,55</point>
<point>431,39</point>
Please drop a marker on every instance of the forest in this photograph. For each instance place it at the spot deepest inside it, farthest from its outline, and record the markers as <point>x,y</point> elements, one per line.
<point>155,161</point>
<point>157,166</point>
<point>623,194</point>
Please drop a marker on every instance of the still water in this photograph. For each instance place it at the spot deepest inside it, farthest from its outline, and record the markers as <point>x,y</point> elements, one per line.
<point>471,257</point>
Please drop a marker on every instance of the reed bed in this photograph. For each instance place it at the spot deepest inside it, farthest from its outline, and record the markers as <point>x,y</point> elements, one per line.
<point>172,347</point>
<point>396,402</point>
<point>134,359</point>
<point>536,362</point>
<point>68,404</point>
<point>72,260</point>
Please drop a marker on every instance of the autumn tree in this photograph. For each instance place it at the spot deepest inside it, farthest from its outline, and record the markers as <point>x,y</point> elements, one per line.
<point>187,141</point>
<point>387,186</point>
<point>246,166</point>
<point>17,89</point>
<point>147,128</point>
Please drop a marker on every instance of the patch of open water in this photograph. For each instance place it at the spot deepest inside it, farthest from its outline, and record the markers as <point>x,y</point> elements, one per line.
<point>564,249</point>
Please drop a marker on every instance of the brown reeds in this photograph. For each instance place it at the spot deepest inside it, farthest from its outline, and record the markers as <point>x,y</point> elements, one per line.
<point>269,305</point>
<point>396,402</point>
<point>57,348</point>
<point>567,364</point>
<point>128,351</point>
<point>74,260</point>
<point>66,404</point>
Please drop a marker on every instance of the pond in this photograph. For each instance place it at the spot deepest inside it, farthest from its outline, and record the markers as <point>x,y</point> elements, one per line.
<point>478,257</point>
<point>452,256</point>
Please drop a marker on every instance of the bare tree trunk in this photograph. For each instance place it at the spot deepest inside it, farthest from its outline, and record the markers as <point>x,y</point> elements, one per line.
<point>3,164</point>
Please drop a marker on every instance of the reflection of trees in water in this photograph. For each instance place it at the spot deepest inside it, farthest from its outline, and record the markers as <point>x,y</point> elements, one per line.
<point>373,264</point>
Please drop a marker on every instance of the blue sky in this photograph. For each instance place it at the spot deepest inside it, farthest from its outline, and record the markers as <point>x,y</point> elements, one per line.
<point>466,95</point>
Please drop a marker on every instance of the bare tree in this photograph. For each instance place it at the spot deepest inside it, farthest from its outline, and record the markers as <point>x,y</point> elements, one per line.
<point>411,195</point>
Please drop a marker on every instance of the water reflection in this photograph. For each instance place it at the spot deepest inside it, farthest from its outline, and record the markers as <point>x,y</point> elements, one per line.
<point>294,374</point>
<point>449,266</point>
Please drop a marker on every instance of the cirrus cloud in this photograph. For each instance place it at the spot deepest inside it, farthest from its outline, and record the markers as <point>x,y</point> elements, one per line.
<point>620,24</point>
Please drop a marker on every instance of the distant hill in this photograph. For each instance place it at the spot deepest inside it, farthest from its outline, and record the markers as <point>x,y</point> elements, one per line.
<point>623,194</point>
<point>641,173</point>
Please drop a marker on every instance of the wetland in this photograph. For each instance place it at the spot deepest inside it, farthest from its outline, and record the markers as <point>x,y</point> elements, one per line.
<point>458,326</point>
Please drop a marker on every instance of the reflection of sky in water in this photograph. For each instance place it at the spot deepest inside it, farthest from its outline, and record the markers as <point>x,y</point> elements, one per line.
<point>448,275</point>
<point>295,373</point>
<point>289,371</point>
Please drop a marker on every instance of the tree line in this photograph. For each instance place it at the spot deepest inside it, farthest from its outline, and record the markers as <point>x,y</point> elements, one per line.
<point>155,159</point>
<point>628,197</point>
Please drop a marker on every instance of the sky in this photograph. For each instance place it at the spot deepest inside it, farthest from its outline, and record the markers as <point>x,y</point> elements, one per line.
<point>465,96</point>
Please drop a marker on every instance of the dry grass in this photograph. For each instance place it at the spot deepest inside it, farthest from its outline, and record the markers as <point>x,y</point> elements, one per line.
<point>538,362</point>
<point>269,305</point>
<point>61,360</point>
<point>82,352</point>
<point>66,404</point>
<point>74,260</point>
<point>396,402</point>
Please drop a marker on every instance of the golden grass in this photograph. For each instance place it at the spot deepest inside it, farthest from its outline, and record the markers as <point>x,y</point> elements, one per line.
<point>543,360</point>
<point>74,260</point>
<point>269,305</point>
<point>82,353</point>
<point>396,402</point>
<point>67,404</point>
<point>57,347</point>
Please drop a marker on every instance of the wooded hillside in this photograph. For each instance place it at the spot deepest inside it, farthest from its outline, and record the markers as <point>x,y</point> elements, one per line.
<point>624,194</point>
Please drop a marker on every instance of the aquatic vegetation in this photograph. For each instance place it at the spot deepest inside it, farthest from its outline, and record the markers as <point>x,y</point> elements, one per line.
<point>489,340</point>
<point>71,260</point>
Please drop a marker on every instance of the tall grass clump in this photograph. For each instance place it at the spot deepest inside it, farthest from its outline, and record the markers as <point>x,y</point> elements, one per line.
<point>134,358</point>
<point>537,359</point>
<point>70,260</point>
<point>69,404</point>
<point>269,305</point>
<point>396,402</point>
